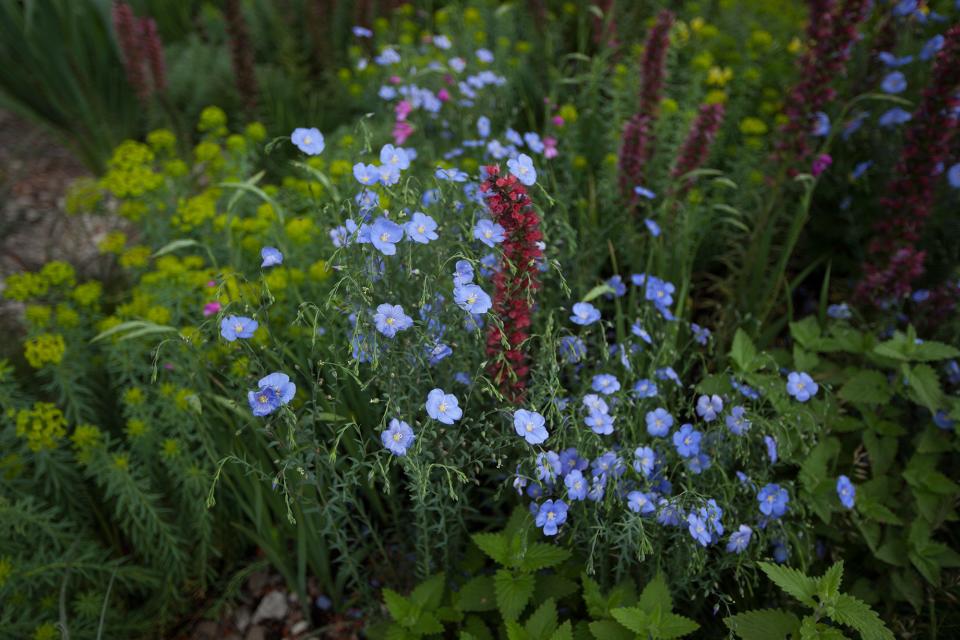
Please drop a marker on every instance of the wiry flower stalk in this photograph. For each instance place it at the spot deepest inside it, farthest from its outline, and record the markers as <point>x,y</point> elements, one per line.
<point>831,32</point>
<point>241,52</point>
<point>894,263</point>
<point>638,142</point>
<point>129,37</point>
<point>696,148</point>
<point>515,282</point>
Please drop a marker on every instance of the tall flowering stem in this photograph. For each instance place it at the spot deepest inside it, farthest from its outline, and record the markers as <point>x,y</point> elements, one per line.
<point>696,148</point>
<point>516,281</point>
<point>638,143</point>
<point>894,262</point>
<point>154,49</point>
<point>131,45</point>
<point>241,53</point>
<point>831,33</point>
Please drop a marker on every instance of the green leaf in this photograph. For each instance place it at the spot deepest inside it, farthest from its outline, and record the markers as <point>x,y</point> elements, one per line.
<point>543,622</point>
<point>513,592</point>
<point>806,332</point>
<point>858,615</point>
<point>672,625</point>
<point>814,468</point>
<point>134,329</point>
<point>593,598</point>
<point>743,352</point>
<point>173,246</point>
<point>867,386</point>
<point>396,632</point>
<point>476,627</point>
<point>494,545</point>
<point>609,630</point>
<point>429,593</point>
<point>515,631</point>
<point>542,556</point>
<point>930,351</point>
<point>401,609</point>
<point>793,582</point>
<point>924,386</point>
<point>553,586</point>
<point>597,291</point>
<point>828,586</point>
<point>633,618</point>
<point>656,594</point>
<point>427,624</point>
<point>763,624</point>
<point>804,360</point>
<point>477,595</point>
<point>563,632</point>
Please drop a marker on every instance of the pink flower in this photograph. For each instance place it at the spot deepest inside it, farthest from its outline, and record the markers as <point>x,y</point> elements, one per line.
<point>549,147</point>
<point>401,131</point>
<point>395,80</point>
<point>443,95</point>
<point>820,164</point>
<point>403,109</point>
<point>211,283</point>
<point>558,121</point>
<point>211,308</point>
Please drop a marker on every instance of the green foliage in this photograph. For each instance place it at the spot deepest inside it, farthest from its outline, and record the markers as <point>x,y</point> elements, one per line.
<point>823,596</point>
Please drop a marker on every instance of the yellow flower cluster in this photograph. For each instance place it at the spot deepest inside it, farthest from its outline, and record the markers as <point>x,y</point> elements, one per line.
<point>46,348</point>
<point>41,426</point>
<point>86,438</point>
<point>87,293</point>
<point>213,120</point>
<point>83,195</point>
<point>114,242</point>
<point>196,210</point>
<point>138,256</point>
<point>130,171</point>
<point>27,285</point>
<point>162,140</point>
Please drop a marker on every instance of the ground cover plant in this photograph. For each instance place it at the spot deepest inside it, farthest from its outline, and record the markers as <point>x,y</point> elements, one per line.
<point>588,348</point>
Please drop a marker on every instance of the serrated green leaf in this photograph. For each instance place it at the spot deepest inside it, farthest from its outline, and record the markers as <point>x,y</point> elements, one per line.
<point>806,332</point>
<point>866,386</point>
<point>477,595</point>
<point>399,607</point>
<point>633,618</point>
<point>672,626</point>
<point>814,469</point>
<point>563,632</point>
<point>476,627</point>
<point>494,545</point>
<point>515,631</point>
<point>513,592</point>
<point>828,586</point>
<point>930,351</point>
<point>396,632</point>
<point>924,386</point>
<point>540,555</point>
<point>427,624</point>
<point>656,594</point>
<point>763,624</point>
<point>793,582</point>
<point>543,622</point>
<point>609,630</point>
<point>429,593</point>
<point>854,613</point>
<point>593,598</point>
<point>553,586</point>
<point>743,352</point>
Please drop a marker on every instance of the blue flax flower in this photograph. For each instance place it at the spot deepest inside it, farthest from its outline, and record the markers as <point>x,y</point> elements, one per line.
<point>522,168</point>
<point>394,156</point>
<point>421,228</point>
<point>366,174</point>
<point>659,422</point>
<point>644,461</point>
<point>637,329</point>
<point>271,257</point>
<point>894,82</point>
<point>701,335</point>
<point>709,406</point>
<point>737,421</point>
<point>384,234</point>
<point>483,126</point>
<point>645,388</point>
<point>310,141</point>
<point>600,423</point>
<point>390,319</point>
<point>652,227</point>
<point>619,289</point>
<point>846,491</point>
<point>840,311</point>
<point>263,401</point>
<point>698,529</point>
<point>771,445</point>
<point>821,124</point>
<point>472,298</point>
<point>576,485</point>
<point>570,460</point>
<point>398,437</point>
<point>605,383</point>
<point>593,402</point>
<point>548,466</point>
<point>932,46</point>
<point>489,233</point>
<point>584,314</point>
<point>643,192</point>
<point>233,327</point>
<point>739,539</point>
<point>773,500</point>
<point>443,407</point>
<point>640,502</point>
<point>551,515</point>
<point>529,425</point>
<point>572,349</point>
<point>953,176</point>
<point>281,385</point>
<point>894,116</point>
<point>687,441</point>
<point>801,386</point>
<point>463,273</point>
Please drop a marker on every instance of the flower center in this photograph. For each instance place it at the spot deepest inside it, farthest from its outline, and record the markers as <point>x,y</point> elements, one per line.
<point>390,321</point>
<point>307,140</point>
<point>421,229</point>
<point>262,398</point>
<point>442,408</point>
<point>384,237</point>
<point>529,427</point>
<point>397,437</point>
<point>238,328</point>
<point>551,515</point>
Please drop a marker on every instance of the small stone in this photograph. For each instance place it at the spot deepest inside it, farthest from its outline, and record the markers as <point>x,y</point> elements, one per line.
<point>256,632</point>
<point>300,627</point>
<point>241,619</point>
<point>272,607</point>
<point>206,630</point>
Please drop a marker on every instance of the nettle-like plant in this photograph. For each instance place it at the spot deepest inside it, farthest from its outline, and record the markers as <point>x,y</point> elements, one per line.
<point>892,432</point>
<point>533,578</point>
<point>822,595</point>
